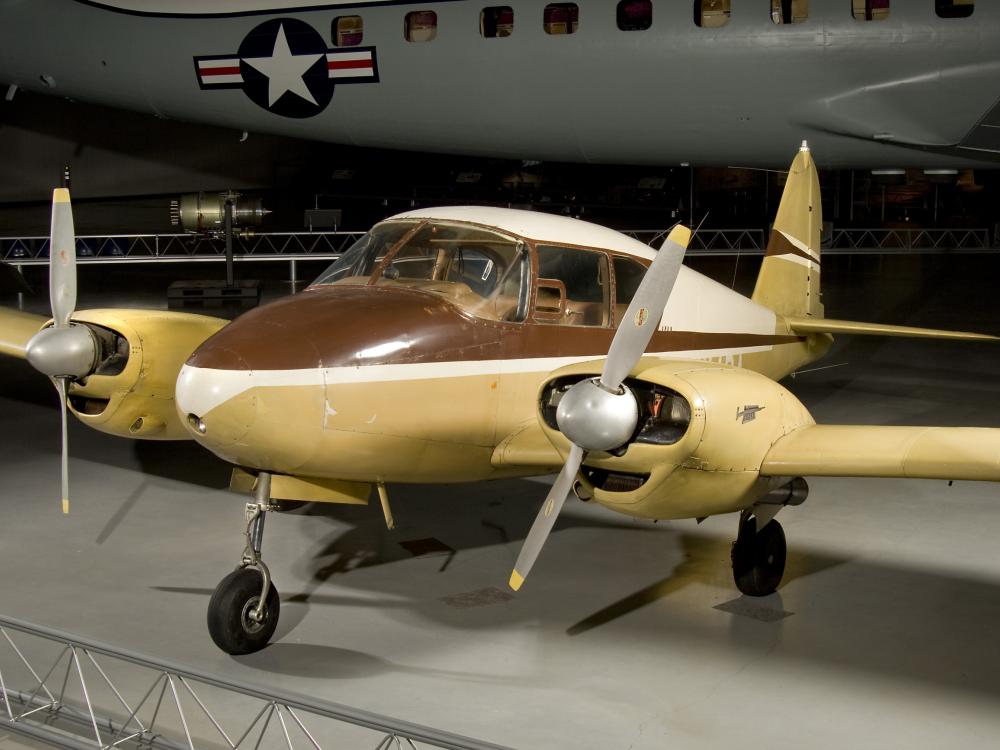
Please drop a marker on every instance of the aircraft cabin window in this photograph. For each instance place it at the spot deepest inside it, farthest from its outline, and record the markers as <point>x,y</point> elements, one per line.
<point>348,31</point>
<point>420,26</point>
<point>561,18</point>
<point>711,14</point>
<point>789,11</point>
<point>496,21</point>
<point>635,15</point>
<point>478,270</point>
<point>572,287</point>
<point>955,8</point>
<point>355,265</point>
<point>871,10</point>
<point>628,274</point>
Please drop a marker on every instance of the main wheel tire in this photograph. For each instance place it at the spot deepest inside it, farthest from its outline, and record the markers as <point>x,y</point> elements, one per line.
<point>759,558</point>
<point>229,621</point>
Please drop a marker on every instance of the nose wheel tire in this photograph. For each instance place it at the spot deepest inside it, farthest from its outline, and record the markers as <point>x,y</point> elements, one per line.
<point>231,621</point>
<point>759,557</point>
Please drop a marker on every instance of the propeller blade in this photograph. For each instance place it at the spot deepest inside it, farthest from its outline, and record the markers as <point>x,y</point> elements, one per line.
<point>546,517</point>
<point>62,259</point>
<point>61,386</point>
<point>643,315</point>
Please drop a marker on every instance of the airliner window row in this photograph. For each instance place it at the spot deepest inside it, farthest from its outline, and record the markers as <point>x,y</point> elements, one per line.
<point>632,15</point>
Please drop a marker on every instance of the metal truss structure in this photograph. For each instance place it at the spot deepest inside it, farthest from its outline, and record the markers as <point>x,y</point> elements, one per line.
<point>291,246</point>
<point>80,695</point>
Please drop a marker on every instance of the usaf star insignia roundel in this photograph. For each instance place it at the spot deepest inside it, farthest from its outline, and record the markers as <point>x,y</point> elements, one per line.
<point>284,66</point>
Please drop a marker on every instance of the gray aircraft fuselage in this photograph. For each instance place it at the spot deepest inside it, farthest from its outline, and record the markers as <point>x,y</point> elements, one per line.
<point>914,90</point>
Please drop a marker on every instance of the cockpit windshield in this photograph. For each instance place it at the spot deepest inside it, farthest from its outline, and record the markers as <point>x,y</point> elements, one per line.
<point>356,264</point>
<point>480,270</point>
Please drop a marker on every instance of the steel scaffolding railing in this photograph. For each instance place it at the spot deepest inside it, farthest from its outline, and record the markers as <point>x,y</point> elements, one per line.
<point>276,246</point>
<point>92,695</point>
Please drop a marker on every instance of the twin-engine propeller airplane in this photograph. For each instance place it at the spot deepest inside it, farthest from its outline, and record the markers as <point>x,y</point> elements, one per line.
<point>461,344</point>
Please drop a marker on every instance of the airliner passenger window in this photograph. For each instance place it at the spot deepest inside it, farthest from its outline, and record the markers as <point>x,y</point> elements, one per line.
<point>871,10</point>
<point>955,8</point>
<point>348,31</point>
<point>635,15</point>
<point>573,287</point>
<point>561,18</point>
<point>789,11</point>
<point>420,26</point>
<point>710,14</point>
<point>496,21</point>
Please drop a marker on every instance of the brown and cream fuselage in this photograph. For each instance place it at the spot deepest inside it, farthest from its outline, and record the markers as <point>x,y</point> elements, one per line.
<point>365,381</point>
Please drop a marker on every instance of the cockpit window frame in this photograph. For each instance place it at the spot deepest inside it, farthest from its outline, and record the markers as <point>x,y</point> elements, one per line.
<point>522,247</point>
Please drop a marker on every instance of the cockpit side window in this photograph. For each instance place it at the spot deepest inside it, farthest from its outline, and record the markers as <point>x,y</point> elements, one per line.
<point>628,275</point>
<point>573,287</point>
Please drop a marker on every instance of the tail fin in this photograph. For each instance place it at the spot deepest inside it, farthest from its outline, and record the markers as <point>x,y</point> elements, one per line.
<point>788,282</point>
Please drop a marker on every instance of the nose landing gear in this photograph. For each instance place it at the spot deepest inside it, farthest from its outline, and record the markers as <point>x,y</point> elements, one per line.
<point>243,610</point>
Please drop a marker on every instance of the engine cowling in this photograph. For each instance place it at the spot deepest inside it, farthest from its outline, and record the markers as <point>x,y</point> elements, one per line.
<point>702,435</point>
<point>131,391</point>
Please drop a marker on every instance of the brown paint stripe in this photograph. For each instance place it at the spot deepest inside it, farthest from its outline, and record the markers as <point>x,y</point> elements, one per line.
<point>370,326</point>
<point>779,245</point>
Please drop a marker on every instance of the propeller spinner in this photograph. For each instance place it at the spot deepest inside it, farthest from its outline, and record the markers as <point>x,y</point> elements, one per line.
<point>601,414</point>
<point>64,351</point>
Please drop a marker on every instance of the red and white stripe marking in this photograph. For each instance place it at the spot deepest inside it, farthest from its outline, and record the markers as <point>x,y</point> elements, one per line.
<point>350,64</point>
<point>220,72</point>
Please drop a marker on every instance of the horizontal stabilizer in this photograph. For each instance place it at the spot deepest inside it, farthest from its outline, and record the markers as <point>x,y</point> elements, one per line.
<point>971,453</point>
<point>804,326</point>
<point>16,329</point>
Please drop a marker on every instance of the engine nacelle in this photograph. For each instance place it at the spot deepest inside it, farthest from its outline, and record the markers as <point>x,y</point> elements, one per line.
<point>131,392</point>
<point>703,432</point>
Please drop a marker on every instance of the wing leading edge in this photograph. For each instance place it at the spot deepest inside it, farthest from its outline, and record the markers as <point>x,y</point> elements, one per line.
<point>970,453</point>
<point>16,329</point>
<point>805,326</point>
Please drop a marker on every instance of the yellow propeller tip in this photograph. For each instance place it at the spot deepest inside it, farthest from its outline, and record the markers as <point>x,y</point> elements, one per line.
<point>516,579</point>
<point>60,195</point>
<point>66,506</point>
<point>680,234</point>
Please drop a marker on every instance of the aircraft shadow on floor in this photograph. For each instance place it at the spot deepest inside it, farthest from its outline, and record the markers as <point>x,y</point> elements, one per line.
<point>867,616</point>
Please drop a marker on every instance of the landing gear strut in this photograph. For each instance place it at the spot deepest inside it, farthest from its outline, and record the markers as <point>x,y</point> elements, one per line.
<point>243,611</point>
<point>758,556</point>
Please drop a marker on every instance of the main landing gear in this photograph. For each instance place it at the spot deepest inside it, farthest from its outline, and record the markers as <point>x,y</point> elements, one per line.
<point>243,610</point>
<point>758,556</point>
<point>759,550</point>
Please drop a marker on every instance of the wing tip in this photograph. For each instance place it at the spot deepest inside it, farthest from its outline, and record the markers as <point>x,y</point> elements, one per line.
<point>60,195</point>
<point>516,580</point>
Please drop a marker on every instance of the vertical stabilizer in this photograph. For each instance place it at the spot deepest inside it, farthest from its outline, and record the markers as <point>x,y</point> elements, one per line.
<point>789,276</point>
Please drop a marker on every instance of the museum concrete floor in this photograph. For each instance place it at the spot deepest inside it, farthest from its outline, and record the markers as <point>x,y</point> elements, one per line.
<point>628,634</point>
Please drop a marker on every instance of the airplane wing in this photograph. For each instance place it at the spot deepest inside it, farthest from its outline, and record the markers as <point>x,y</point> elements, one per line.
<point>16,329</point>
<point>971,453</point>
<point>527,445</point>
<point>826,325</point>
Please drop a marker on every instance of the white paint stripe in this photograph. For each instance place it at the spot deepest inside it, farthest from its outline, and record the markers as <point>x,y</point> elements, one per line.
<point>353,73</point>
<point>800,245</point>
<point>216,80</point>
<point>199,389</point>
<point>208,64</point>
<point>811,265</point>
<point>348,56</point>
